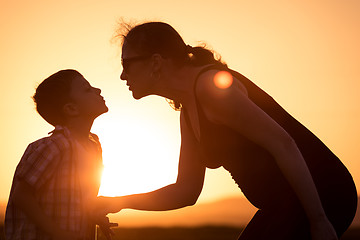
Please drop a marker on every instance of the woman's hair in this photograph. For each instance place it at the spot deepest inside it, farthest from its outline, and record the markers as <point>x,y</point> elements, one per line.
<point>52,94</point>
<point>161,38</point>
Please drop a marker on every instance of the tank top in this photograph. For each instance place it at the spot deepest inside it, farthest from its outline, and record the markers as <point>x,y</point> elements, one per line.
<point>252,167</point>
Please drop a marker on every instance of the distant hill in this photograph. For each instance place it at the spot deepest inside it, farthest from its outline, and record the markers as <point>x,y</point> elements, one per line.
<point>230,211</point>
<point>235,212</point>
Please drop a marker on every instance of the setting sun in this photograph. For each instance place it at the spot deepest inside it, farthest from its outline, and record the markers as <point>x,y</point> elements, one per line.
<point>137,158</point>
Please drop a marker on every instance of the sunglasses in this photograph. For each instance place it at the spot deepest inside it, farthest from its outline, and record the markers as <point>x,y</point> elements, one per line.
<point>126,62</point>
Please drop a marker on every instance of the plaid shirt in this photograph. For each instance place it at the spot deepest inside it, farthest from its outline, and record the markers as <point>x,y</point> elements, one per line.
<point>49,165</point>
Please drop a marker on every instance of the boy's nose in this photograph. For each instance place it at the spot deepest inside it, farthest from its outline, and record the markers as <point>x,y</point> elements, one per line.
<point>97,90</point>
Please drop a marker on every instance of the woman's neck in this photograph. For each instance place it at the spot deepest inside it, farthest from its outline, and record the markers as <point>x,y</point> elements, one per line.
<point>178,85</point>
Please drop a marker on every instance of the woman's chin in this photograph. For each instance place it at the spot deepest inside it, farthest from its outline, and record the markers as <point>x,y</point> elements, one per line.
<point>137,95</point>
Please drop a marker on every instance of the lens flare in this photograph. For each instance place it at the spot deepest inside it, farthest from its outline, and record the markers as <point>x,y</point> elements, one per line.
<point>223,80</point>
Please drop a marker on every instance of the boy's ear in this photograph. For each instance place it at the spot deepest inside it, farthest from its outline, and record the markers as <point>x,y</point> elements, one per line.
<point>70,109</point>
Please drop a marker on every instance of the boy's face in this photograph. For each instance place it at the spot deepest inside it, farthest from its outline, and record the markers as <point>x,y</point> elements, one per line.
<point>87,100</point>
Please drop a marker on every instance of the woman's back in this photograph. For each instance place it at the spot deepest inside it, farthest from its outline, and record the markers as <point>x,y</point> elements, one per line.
<point>255,170</point>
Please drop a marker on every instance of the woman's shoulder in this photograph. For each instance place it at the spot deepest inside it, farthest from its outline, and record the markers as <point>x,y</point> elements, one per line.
<point>217,90</point>
<point>217,83</point>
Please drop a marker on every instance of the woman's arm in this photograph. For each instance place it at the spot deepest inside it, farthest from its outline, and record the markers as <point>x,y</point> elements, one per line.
<point>231,107</point>
<point>184,192</point>
<point>23,197</point>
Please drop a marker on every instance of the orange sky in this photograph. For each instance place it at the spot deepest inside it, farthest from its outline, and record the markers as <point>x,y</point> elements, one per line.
<point>304,53</point>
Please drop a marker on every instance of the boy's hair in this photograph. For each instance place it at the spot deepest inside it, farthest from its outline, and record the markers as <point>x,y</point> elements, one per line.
<point>52,94</point>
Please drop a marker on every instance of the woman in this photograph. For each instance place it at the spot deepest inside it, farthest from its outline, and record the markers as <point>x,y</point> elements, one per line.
<point>300,187</point>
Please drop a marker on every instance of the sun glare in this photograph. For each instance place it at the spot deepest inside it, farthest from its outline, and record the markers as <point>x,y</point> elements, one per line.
<point>223,79</point>
<point>137,158</point>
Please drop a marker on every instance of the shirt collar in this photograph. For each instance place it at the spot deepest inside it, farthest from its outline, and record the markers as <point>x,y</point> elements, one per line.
<point>64,130</point>
<point>61,129</point>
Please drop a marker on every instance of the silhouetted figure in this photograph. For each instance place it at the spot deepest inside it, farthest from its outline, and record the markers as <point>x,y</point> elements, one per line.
<point>57,179</point>
<point>302,190</point>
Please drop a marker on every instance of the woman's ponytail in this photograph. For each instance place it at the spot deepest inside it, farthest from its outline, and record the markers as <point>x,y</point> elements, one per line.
<point>200,56</point>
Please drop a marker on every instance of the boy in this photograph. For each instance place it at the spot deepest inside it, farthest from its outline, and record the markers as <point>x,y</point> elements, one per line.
<point>57,180</point>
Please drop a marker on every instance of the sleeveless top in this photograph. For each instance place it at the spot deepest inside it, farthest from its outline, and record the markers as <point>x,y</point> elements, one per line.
<point>252,167</point>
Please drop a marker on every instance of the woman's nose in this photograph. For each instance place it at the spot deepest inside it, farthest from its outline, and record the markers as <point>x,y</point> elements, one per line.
<point>123,75</point>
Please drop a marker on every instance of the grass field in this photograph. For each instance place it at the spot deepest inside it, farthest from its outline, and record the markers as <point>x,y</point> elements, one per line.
<point>189,233</point>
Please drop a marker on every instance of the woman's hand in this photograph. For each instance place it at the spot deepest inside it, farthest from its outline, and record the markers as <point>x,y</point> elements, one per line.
<point>322,229</point>
<point>105,205</point>
<point>100,208</point>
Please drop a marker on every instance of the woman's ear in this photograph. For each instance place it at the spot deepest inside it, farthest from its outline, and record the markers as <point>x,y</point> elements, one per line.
<point>157,61</point>
<point>71,109</point>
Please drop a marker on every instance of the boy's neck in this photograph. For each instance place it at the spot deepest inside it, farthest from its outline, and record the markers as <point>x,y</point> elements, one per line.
<point>80,129</point>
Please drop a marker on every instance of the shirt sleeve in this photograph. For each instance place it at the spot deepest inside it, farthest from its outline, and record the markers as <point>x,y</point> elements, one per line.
<point>39,162</point>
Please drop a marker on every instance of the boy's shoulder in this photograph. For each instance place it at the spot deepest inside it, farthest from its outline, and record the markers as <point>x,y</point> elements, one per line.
<point>59,140</point>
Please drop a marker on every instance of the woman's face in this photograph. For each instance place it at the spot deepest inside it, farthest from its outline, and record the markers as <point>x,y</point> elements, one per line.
<point>136,72</point>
